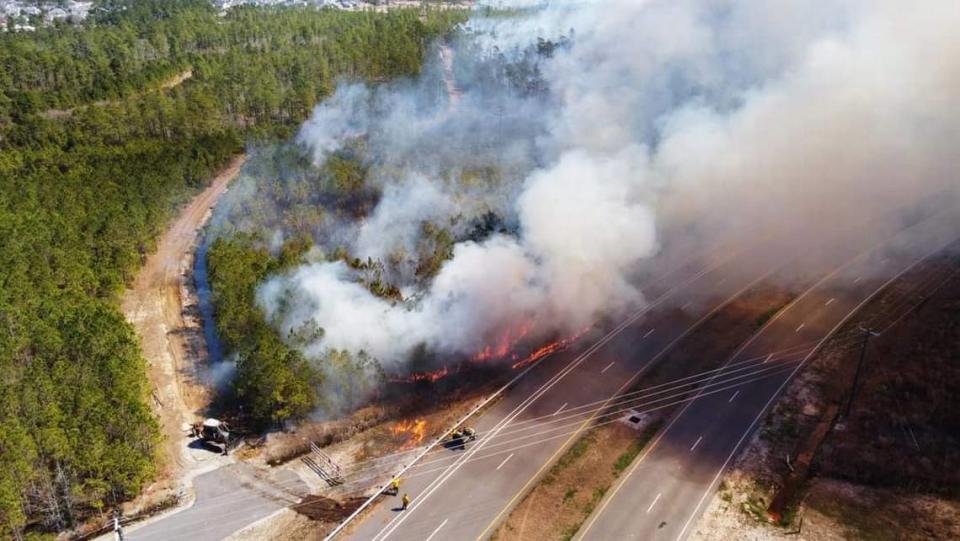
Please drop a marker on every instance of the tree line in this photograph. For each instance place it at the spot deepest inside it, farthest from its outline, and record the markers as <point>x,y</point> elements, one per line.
<point>96,153</point>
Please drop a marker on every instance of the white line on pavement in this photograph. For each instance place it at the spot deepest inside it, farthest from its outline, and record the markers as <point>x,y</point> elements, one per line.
<point>649,333</point>
<point>768,358</point>
<point>696,443</point>
<point>504,461</point>
<point>605,368</point>
<point>437,530</point>
<point>800,327</point>
<point>655,500</point>
<point>685,305</point>
<point>828,303</point>
<point>857,279</point>
<point>561,409</point>
<point>734,396</point>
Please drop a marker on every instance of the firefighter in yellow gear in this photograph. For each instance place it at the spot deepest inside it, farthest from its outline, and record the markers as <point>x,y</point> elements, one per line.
<point>395,486</point>
<point>405,501</point>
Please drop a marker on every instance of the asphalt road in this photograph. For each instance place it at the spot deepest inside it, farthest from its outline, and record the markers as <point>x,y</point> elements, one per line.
<point>227,500</point>
<point>463,494</point>
<point>665,490</point>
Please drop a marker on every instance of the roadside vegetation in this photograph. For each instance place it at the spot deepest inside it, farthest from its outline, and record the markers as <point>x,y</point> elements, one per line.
<point>102,136</point>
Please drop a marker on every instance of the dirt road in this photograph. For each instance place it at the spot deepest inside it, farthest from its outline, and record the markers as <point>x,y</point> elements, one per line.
<point>162,306</point>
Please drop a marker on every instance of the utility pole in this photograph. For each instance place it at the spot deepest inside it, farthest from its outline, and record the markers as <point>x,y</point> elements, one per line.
<point>867,334</point>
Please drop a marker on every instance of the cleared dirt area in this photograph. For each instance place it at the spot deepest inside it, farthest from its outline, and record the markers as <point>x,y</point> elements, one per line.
<point>559,504</point>
<point>889,470</point>
<point>161,305</point>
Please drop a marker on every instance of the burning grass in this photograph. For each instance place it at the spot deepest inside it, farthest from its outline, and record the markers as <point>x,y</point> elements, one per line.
<point>410,433</point>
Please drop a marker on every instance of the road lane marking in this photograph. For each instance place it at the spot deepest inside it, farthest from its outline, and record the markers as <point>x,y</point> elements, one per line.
<point>857,279</point>
<point>504,461</point>
<point>734,396</point>
<point>765,361</point>
<point>828,303</point>
<point>649,332</point>
<point>437,530</point>
<point>685,305</point>
<point>605,368</point>
<point>561,409</point>
<point>655,500</point>
<point>696,443</point>
<point>800,327</point>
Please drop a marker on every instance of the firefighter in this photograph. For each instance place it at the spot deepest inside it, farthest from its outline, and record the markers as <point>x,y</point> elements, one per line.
<point>405,501</point>
<point>395,486</point>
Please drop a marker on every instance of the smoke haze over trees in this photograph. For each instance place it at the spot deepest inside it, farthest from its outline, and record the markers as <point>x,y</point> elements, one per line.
<point>518,186</point>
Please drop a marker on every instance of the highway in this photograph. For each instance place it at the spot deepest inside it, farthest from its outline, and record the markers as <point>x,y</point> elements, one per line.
<point>464,494</point>
<point>665,490</point>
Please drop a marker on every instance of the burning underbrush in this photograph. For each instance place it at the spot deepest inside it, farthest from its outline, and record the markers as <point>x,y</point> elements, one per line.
<point>409,433</point>
<point>410,410</point>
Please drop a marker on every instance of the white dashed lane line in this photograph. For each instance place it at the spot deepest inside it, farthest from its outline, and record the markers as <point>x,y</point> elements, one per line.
<point>504,461</point>
<point>828,303</point>
<point>649,333</point>
<point>655,500</point>
<point>800,327</point>
<point>605,368</point>
<point>696,443</point>
<point>734,396</point>
<point>561,409</point>
<point>437,530</point>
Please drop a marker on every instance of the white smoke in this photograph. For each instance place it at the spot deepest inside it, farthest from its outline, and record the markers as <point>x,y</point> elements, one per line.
<point>733,117</point>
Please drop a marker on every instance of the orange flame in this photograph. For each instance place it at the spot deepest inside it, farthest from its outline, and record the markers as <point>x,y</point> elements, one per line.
<point>504,344</point>
<point>552,347</point>
<point>413,431</point>
<point>422,376</point>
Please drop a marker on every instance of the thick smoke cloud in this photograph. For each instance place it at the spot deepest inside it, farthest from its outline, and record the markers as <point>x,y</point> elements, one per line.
<point>727,119</point>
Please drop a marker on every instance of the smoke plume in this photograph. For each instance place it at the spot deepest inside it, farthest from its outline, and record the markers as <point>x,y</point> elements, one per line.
<point>610,132</point>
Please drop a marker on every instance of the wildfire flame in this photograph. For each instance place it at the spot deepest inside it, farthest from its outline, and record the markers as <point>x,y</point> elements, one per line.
<point>501,349</point>
<point>423,376</point>
<point>552,347</point>
<point>413,430</point>
<point>504,344</point>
